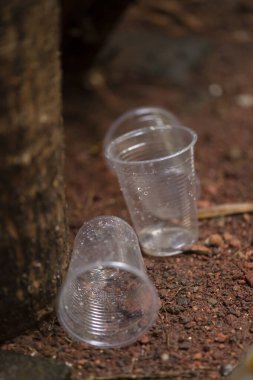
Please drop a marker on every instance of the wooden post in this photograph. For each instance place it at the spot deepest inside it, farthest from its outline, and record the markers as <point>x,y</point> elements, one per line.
<point>33,250</point>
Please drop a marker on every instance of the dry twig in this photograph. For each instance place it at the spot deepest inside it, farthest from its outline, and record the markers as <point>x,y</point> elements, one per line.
<point>225,209</point>
<point>154,376</point>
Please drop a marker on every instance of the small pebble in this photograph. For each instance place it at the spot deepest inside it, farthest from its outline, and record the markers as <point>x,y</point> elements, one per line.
<point>245,100</point>
<point>227,236</point>
<point>165,357</point>
<point>235,153</point>
<point>242,36</point>
<point>182,301</point>
<point>163,292</point>
<point>221,222</point>
<point>235,243</point>
<point>246,217</point>
<point>226,369</point>
<point>202,203</point>
<point>215,240</point>
<point>214,376</point>
<point>221,338</point>
<point>96,78</point>
<point>184,320</point>
<point>201,249</point>
<point>215,90</point>
<point>174,309</point>
<point>144,339</point>
<point>212,189</point>
<point>190,325</point>
<point>212,301</point>
<point>232,339</point>
<point>149,263</point>
<point>198,356</point>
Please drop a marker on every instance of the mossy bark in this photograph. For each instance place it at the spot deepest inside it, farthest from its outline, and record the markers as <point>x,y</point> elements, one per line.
<point>33,250</point>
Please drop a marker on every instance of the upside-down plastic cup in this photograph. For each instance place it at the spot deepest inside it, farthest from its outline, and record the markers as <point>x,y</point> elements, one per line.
<point>107,299</point>
<point>155,169</point>
<point>137,118</point>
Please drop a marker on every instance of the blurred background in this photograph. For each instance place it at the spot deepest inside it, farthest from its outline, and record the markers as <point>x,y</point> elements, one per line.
<point>192,57</point>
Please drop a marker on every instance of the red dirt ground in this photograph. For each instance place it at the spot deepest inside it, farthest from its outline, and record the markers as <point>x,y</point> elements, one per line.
<point>206,316</point>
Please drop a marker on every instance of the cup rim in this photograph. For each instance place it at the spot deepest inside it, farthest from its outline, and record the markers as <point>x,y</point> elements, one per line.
<point>141,131</point>
<point>102,344</point>
<point>136,112</point>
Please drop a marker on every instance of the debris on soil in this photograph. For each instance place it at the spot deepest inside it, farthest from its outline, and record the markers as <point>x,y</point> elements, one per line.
<point>200,249</point>
<point>224,210</point>
<point>214,240</point>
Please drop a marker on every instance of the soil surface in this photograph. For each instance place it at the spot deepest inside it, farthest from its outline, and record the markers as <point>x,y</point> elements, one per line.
<point>205,321</point>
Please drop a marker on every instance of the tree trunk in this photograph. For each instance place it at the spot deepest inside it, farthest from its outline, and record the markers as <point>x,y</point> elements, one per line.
<point>33,251</point>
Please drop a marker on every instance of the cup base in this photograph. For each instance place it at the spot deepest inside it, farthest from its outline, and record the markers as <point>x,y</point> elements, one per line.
<point>166,241</point>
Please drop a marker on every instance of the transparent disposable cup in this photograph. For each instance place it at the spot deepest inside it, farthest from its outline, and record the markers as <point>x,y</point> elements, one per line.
<point>137,118</point>
<point>155,169</point>
<point>107,299</point>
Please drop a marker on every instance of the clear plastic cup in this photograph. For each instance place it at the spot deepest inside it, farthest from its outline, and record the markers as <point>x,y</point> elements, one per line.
<point>137,118</point>
<point>107,299</point>
<point>155,169</point>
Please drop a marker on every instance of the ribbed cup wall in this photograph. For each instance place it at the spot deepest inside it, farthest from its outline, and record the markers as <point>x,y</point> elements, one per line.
<point>159,185</point>
<point>107,306</point>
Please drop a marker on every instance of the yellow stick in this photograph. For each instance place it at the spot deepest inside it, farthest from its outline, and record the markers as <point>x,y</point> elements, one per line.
<point>225,209</point>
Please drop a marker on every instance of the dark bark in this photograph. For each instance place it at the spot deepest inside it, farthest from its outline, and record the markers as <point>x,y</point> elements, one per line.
<point>33,251</point>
